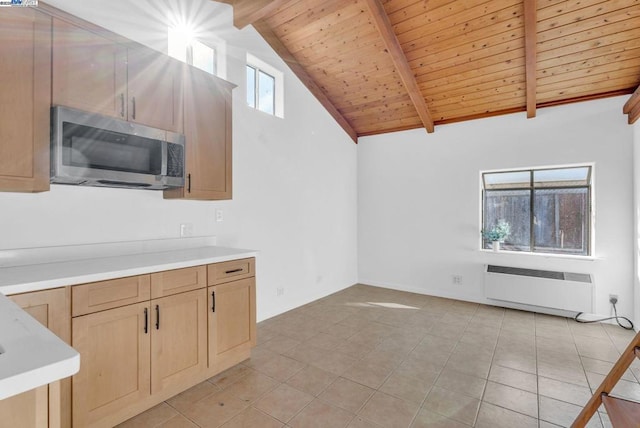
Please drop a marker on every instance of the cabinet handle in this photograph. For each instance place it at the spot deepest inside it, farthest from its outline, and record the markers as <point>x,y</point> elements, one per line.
<point>188,183</point>
<point>133,104</point>
<point>234,271</point>
<point>157,317</point>
<point>146,321</point>
<point>121,105</point>
<point>213,301</point>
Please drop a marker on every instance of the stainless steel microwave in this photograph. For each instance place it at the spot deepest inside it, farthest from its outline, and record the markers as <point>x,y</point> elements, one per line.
<point>95,150</point>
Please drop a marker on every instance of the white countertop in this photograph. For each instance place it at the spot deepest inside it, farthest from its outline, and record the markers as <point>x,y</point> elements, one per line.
<point>30,354</point>
<point>41,276</point>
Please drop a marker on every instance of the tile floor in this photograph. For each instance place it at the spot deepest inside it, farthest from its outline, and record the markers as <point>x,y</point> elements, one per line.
<point>372,357</point>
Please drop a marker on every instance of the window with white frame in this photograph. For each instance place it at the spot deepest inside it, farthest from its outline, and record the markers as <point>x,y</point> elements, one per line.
<point>184,47</point>
<point>546,210</point>
<point>264,87</point>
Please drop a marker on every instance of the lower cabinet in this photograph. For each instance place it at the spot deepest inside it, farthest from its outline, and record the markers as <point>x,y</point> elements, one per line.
<point>232,322</point>
<point>178,339</point>
<point>48,405</point>
<point>115,370</point>
<point>136,355</point>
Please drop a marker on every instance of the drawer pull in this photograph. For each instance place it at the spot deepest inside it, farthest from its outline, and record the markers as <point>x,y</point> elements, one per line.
<point>213,301</point>
<point>146,321</point>
<point>157,317</point>
<point>233,271</point>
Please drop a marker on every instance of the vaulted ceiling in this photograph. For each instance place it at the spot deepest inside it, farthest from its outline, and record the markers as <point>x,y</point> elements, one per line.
<point>386,65</point>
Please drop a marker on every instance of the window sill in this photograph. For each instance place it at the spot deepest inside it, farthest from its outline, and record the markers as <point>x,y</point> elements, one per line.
<point>543,255</point>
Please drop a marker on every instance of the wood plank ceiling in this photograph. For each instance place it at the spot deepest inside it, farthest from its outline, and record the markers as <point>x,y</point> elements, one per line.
<point>386,65</point>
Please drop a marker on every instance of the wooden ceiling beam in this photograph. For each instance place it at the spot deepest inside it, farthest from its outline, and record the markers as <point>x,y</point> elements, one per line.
<point>267,33</point>
<point>246,12</point>
<point>632,106</point>
<point>382,22</point>
<point>530,43</point>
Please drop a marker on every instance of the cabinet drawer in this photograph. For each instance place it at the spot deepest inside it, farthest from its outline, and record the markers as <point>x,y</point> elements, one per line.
<point>99,296</point>
<point>178,281</point>
<point>233,270</point>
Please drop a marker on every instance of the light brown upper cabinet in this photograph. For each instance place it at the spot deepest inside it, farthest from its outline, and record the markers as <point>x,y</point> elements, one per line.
<point>207,129</point>
<point>25,98</point>
<point>89,71</point>
<point>93,72</point>
<point>155,89</point>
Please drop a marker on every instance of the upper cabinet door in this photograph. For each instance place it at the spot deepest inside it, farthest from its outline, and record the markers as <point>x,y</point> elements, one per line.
<point>155,89</point>
<point>25,98</point>
<point>89,71</point>
<point>207,129</point>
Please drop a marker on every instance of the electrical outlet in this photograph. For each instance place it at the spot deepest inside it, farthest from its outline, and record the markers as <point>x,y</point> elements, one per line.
<point>613,299</point>
<point>219,215</point>
<point>186,229</point>
<point>280,291</point>
<point>456,279</point>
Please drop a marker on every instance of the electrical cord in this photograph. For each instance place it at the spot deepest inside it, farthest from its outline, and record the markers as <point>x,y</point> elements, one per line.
<point>615,317</point>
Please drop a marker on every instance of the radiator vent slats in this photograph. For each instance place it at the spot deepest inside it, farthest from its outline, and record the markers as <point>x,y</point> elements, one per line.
<point>537,273</point>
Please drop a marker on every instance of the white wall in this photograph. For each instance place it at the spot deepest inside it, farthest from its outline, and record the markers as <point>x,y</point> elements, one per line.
<point>419,198</point>
<point>294,189</point>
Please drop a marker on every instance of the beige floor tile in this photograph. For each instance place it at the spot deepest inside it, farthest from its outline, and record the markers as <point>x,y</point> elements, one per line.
<point>389,411</point>
<point>280,344</point>
<point>359,422</point>
<point>230,376</point>
<point>215,409</point>
<point>470,364</point>
<point>346,394</point>
<point>311,380</point>
<point>259,354</point>
<point>491,416</point>
<point>514,378</point>
<point>356,350</point>
<point>151,418</point>
<point>340,330</point>
<point>459,407</point>
<point>334,362</point>
<point>280,368</point>
<point>177,421</point>
<point>603,368</point>
<point>563,414</point>
<point>319,414</point>
<point>305,353</point>
<point>284,402</point>
<point>406,387</point>
<point>253,418</point>
<point>192,395</point>
<point>563,391</point>
<point>456,381</point>
<point>629,390</point>
<point>250,387</point>
<point>428,419</point>
<point>512,399</point>
<point>368,374</point>
<point>524,362</point>
<point>324,341</point>
<point>565,374</point>
<point>420,369</point>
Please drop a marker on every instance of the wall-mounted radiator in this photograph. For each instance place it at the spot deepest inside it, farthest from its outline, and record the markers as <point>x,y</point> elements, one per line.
<point>549,289</point>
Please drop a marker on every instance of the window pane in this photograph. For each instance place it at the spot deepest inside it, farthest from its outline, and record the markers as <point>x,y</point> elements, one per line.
<point>266,87</point>
<point>251,86</point>
<point>561,177</point>
<point>178,42</point>
<point>507,180</point>
<point>512,206</point>
<point>203,57</point>
<point>561,221</point>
